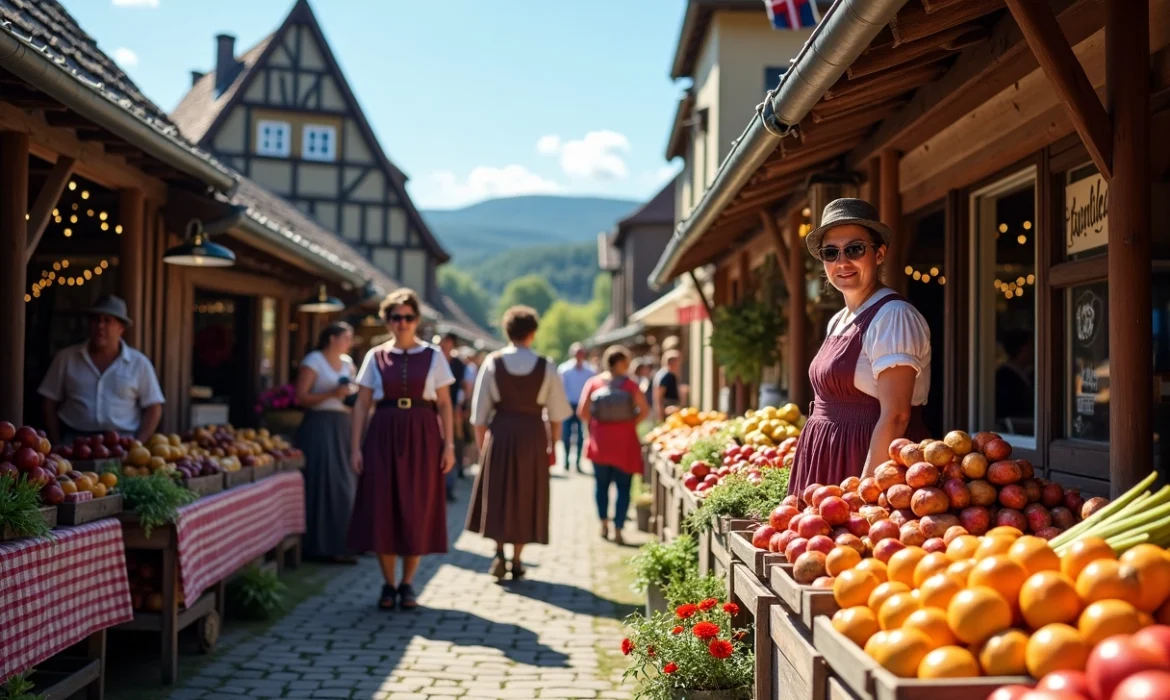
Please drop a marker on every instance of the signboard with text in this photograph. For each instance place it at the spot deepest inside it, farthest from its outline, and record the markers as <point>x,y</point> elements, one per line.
<point>1086,214</point>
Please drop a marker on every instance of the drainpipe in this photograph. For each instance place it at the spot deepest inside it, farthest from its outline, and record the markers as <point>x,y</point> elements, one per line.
<point>846,30</point>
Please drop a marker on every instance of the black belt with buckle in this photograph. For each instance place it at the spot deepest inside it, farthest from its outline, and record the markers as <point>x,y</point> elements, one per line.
<point>406,403</point>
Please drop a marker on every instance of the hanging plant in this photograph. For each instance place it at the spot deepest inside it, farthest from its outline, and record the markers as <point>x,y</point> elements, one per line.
<point>745,338</point>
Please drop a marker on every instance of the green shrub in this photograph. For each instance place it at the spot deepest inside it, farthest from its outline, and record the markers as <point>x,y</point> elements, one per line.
<point>693,586</point>
<point>257,593</point>
<point>656,564</point>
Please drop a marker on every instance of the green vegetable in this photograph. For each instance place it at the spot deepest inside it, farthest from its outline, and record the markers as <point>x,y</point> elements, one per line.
<point>1085,527</point>
<point>20,507</point>
<point>156,499</point>
<point>19,687</point>
<point>692,586</point>
<point>707,449</point>
<point>258,593</point>
<point>737,497</point>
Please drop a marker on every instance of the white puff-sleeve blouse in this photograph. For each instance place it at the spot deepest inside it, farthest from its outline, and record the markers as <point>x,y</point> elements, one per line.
<point>897,337</point>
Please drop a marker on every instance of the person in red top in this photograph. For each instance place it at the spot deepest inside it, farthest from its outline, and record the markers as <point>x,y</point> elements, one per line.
<point>613,447</point>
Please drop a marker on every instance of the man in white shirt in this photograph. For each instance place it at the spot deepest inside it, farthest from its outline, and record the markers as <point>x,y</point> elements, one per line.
<point>102,384</point>
<point>574,374</point>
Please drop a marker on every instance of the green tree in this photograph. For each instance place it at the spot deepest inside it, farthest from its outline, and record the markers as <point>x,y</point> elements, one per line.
<point>600,304</point>
<point>530,290</point>
<point>467,293</point>
<point>563,325</point>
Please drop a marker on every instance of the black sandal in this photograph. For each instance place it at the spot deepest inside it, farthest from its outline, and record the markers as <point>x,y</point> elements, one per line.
<point>387,600</point>
<point>406,597</point>
<point>499,568</point>
<point>517,570</point>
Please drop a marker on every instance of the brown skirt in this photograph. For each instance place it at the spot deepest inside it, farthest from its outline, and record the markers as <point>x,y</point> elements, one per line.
<point>509,502</point>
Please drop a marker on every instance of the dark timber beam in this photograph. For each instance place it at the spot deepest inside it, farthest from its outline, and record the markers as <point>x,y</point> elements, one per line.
<point>777,236</point>
<point>13,236</point>
<point>799,392</point>
<point>47,198</point>
<point>890,210</point>
<point>1060,65</point>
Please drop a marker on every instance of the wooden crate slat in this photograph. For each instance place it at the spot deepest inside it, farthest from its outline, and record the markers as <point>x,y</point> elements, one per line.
<point>837,690</point>
<point>786,589</point>
<point>795,644</point>
<point>241,476</point>
<point>205,485</point>
<point>82,512</point>
<point>816,602</point>
<point>887,686</point>
<point>741,547</point>
<point>849,663</point>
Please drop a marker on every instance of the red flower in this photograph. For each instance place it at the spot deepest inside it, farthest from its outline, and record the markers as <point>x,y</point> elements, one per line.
<point>650,650</point>
<point>670,668</point>
<point>627,646</point>
<point>708,604</point>
<point>706,630</point>
<point>731,608</point>
<point>720,648</point>
<point>677,630</point>
<point>688,610</point>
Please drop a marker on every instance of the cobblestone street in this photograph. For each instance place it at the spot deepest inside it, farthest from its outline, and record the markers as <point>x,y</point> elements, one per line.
<point>553,635</point>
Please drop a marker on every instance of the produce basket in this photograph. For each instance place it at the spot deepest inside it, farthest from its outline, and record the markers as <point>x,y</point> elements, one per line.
<point>801,670</point>
<point>49,513</point>
<point>205,485</point>
<point>805,602</point>
<point>81,512</point>
<point>97,465</point>
<point>243,475</point>
<point>743,550</point>
<point>757,601</point>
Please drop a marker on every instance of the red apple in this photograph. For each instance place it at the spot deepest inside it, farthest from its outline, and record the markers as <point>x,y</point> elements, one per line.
<point>820,543</point>
<point>813,525</point>
<point>101,452</point>
<point>28,437</point>
<point>1049,532</point>
<point>1063,517</point>
<point>824,492</point>
<point>9,469</point>
<point>857,525</point>
<point>834,510</point>
<point>690,482</point>
<point>700,469</point>
<point>1038,517</point>
<point>981,439</point>
<point>7,431</point>
<point>795,548</point>
<point>52,494</point>
<point>883,529</point>
<point>976,520</point>
<point>27,458</point>
<point>1013,496</point>
<point>1052,494</point>
<point>997,450</point>
<point>780,516</point>
<point>935,544</point>
<point>780,540</point>
<point>1074,501</point>
<point>761,536</point>
<point>1011,518</point>
<point>882,551</point>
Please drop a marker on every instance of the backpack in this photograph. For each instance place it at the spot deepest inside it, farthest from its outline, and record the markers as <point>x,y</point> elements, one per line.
<point>612,403</point>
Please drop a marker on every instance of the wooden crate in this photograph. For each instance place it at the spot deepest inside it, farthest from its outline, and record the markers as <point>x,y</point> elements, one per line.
<point>205,485</point>
<point>241,476</point>
<point>801,668</point>
<point>297,462</point>
<point>756,601</point>
<point>846,661</point>
<point>838,691</point>
<point>786,589</point>
<point>805,601</point>
<point>263,472</point>
<point>48,513</point>
<point>97,465</point>
<point>83,512</point>
<point>740,544</point>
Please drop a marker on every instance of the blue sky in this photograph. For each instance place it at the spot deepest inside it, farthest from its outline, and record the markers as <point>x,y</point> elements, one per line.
<point>471,99</point>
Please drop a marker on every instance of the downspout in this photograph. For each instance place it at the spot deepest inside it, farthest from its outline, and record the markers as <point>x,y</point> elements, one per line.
<point>51,78</point>
<point>844,33</point>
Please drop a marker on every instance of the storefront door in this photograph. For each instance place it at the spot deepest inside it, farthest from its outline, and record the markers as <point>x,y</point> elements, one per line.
<point>222,359</point>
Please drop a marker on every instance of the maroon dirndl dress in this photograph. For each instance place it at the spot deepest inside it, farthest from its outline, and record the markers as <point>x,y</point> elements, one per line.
<point>401,505</point>
<point>835,441</point>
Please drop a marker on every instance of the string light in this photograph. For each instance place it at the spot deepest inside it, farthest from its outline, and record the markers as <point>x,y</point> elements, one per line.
<point>917,275</point>
<point>1031,279</point>
<point>1020,281</point>
<point>909,270</point>
<point>65,264</point>
<point>68,232</point>
<point>105,264</point>
<point>27,298</point>
<point>934,272</point>
<point>942,280</point>
<point>74,206</point>
<point>89,212</point>
<point>73,219</point>
<point>1003,228</point>
<point>60,280</point>
<point>52,276</point>
<point>1021,239</point>
<point>926,278</point>
<point>85,194</point>
<point>72,185</point>
<point>56,266</point>
<point>105,226</point>
<point>1027,225</point>
<point>87,274</point>
<point>118,229</point>
<point>103,216</point>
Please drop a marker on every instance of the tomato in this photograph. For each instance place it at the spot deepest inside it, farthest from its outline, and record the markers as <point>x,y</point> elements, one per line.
<point>1009,692</point>
<point>1117,658</point>
<point>1066,681</point>
<point>1147,685</point>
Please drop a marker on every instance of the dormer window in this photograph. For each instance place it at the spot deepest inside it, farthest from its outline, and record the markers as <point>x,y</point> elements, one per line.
<point>273,139</point>
<point>319,142</point>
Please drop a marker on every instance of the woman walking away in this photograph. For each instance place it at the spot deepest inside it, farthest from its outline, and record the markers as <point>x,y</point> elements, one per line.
<point>324,380</point>
<point>401,506</point>
<point>612,404</point>
<point>515,389</point>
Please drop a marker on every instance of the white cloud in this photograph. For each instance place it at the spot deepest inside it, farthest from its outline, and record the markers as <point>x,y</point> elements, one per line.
<point>125,57</point>
<point>598,155</point>
<point>135,3</point>
<point>659,176</point>
<point>445,189</point>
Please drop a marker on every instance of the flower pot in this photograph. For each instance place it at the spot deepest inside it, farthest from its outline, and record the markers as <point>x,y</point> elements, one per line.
<point>655,600</point>
<point>642,514</point>
<point>282,421</point>
<point>730,694</point>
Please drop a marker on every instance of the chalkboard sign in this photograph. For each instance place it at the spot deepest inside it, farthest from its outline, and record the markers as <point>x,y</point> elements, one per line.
<point>1087,337</point>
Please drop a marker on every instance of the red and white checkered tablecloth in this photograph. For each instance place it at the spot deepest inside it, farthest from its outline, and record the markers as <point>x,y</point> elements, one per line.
<point>219,534</point>
<point>56,592</point>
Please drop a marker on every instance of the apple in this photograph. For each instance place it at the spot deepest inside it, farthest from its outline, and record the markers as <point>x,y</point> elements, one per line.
<point>780,516</point>
<point>700,469</point>
<point>117,451</point>
<point>100,451</point>
<point>9,469</point>
<point>690,482</point>
<point>52,494</point>
<point>7,431</point>
<point>39,476</point>
<point>27,458</point>
<point>82,452</point>
<point>761,536</point>
<point>28,437</point>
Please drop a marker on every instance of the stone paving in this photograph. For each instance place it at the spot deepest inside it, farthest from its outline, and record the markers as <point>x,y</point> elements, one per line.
<point>549,636</point>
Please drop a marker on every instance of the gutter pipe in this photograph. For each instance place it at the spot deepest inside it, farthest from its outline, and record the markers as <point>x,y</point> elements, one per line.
<point>54,79</point>
<point>845,32</point>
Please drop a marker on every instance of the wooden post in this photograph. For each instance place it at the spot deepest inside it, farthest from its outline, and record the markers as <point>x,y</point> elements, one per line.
<point>720,296</point>
<point>283,318</point>
<point>132,263</point>
<point>890,209</point>
<point>14,239</point>
<point>742,388</point>
<point>799,392</point>
<point>875,180</point>
<point>1127,55</point>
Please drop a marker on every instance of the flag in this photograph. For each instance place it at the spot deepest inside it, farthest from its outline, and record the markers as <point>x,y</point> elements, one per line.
<point>792,14</point>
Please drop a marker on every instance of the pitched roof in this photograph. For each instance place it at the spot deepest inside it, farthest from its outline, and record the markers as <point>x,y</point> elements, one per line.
<point>200,112</point>
<point>659,210</point>
<point>696,21</point>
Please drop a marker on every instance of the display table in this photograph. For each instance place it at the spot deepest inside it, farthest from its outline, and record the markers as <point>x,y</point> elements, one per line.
<point>59,591</point>
<point>213,538</point>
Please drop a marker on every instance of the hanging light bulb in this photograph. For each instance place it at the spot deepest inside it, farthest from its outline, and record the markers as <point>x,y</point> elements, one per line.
<point>934,271</point>
<point>1021,239</point>
<point>103,216</point>
<point>942,280</point>
<point>909,270</point>
<point>1003,228</point>
<point>72,185</point>
<point>85,194</point>
<point>199,251</point>
<point>321,302</point>
<point>1027,225</point>
<point>917,275</point>
<point>926,278</point>
<point>118,229</point>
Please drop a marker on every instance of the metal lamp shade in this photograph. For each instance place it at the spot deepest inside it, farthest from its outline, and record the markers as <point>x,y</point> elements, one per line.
<point>321,303</point>
<point>200,252</point>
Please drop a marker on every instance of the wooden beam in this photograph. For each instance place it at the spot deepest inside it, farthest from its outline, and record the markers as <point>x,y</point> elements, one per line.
<point>913,22</point>
<point>821,116</point>
<point>777,236</point>
<point>132,267</point>
<point>979,73</point>
<point>1131,435</point>
<point>1059,63</point>
<point>13,236</point>
<point>47,198</point>
<point>905,74</point>
<point>890,209</point>
<point>702,297</point>
<point>874,178</point>
<point>817,133</point>
<point>937,47</point>
<point>799,392</point>
<point>877,88</point>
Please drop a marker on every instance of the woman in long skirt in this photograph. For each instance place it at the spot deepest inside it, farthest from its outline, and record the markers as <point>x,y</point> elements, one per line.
<point>401,506</point>
<point>323,383</point>
<point>514,391</point>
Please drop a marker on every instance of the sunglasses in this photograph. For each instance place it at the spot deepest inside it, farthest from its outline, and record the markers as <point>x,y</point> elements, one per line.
<point>853,251</point>
<point>401,318</point>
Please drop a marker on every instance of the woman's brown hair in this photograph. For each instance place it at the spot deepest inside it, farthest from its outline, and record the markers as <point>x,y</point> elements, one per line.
<point>613,355</point>
<point>520,322</point>
<point>332,331</point>
<point>400,297</point>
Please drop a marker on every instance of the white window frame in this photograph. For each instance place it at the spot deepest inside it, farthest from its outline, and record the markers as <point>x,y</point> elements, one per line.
<point>308,131</point>
<point>267,150</point>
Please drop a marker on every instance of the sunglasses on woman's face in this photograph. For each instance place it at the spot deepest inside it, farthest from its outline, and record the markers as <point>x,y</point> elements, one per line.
<point>401,318</point>
<point>853,251</point>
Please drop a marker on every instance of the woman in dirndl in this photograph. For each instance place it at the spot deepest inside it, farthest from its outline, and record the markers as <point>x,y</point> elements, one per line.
<point>871,376</point>
<point>324,381</point>
<point>518,405</point>
<point>401,505</point>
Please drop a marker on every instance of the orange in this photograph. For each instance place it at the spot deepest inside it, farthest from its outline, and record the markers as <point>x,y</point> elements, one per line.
<point>1047,597</point>
<point>68,486</point>
<point>899,651</point>
<point>977,613</point>
<point>1106,618</point>
<point>933,623</point>
<point>1004,531</point>
<point>841,559</point>
<point>883,591</point>
<point>938,590</point>
<point>1153,568</point>
<point>853,588</point>
<point>878,639</point>
<point>963,547</point>
<point>1108,578</point>
<point>1034,554</point>
<point>155,464</point>
<point>1162,614</point>
<point>931,564</point>
<point>896,609</point>
<point>961,570</point>
<point>1000,574</point>
<point>992,546</point>
<point>160,449</point>
<point>877,567</point>
<point>1056,647</point>
<point>98,490</point>
<point>1003,654</point>
<point>858,623</point>
<point>948,662</point>
<point>110,479</point>
<point>901,565</point>
<point>1081,553</point>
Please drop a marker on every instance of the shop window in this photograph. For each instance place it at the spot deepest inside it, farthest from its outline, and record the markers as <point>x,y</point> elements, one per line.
<point>319,142</point>
<point>926,290</point>
<point>1003,348</point>
<point>273,138</point>
<point>1087,360</point>
<point>267,343</point>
